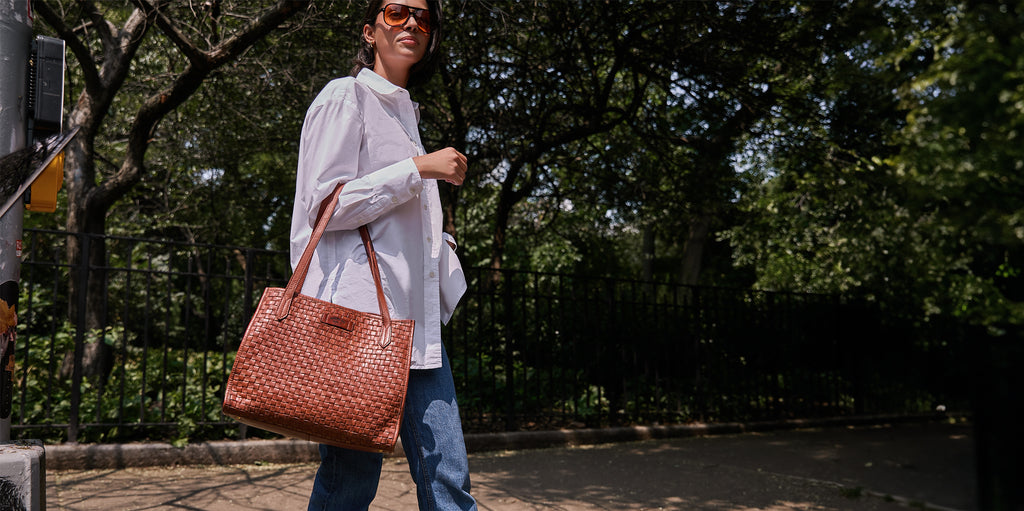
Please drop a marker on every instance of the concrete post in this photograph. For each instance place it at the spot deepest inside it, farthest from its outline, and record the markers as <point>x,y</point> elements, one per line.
<point>22,472</point>
<point>15,44</point>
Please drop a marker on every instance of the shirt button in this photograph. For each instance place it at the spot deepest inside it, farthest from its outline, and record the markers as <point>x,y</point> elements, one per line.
<point>394,200</point>
<point>430,239</point>
<point>431,274</point>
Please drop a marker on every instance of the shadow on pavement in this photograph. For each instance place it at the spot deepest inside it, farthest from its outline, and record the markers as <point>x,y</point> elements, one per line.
<point>922,466</point>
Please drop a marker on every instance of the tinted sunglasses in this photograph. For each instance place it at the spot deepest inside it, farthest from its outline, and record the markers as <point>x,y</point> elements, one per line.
<point>396,15</point>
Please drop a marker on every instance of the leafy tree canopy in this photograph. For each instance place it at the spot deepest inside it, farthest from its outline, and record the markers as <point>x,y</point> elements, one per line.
<point>818,146</point>
<point>910,192</point>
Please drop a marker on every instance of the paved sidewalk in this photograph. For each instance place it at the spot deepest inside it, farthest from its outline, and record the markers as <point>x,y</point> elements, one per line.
<point>919,466</point>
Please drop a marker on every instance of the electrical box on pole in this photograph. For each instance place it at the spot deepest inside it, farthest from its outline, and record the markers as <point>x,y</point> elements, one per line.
<point>46,112</point>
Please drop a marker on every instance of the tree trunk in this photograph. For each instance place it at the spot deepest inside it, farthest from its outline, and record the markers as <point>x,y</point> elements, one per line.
<point>693,251</point>
<point>98,357</point>
<point>449,205</point>
<point>647,254</point>
<point>647,260</point>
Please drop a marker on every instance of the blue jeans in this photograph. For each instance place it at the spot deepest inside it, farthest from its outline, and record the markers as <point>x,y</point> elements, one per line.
<point>433,443</point>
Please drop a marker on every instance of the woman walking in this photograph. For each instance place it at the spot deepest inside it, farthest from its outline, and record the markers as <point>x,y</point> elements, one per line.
<point>362,131</point>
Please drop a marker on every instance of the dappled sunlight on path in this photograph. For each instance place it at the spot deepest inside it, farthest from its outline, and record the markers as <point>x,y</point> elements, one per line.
<point>927,466</point>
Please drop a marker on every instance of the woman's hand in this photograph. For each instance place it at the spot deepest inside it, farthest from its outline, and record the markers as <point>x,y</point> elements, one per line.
<point>447,164</point>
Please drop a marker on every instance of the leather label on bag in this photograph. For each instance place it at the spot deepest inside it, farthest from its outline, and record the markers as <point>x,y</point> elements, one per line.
<point>338,320</point>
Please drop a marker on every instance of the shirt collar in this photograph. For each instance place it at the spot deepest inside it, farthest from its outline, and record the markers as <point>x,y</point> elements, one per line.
<point>380,85</point>
<point>377,82</point>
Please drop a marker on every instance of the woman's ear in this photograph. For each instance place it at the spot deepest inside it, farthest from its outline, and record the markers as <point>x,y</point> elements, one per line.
<point>368,35</point>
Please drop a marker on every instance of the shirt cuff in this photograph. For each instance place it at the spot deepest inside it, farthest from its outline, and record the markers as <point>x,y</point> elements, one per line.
<point>402,178</point>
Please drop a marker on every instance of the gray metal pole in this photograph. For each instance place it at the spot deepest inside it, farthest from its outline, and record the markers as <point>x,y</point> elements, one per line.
<point>15,44</point>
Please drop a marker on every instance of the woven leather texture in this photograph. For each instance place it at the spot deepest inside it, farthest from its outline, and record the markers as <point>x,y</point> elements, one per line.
<point>314,370</point>
<point>305,377</point>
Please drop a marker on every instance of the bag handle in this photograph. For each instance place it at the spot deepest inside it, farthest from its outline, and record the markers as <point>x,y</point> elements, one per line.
<point>299,275</point>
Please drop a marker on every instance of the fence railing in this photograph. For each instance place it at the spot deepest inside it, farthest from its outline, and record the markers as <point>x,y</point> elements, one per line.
<point>529,350</point>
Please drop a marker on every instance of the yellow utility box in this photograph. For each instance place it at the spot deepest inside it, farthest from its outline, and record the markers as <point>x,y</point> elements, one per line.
<point>42,196</point>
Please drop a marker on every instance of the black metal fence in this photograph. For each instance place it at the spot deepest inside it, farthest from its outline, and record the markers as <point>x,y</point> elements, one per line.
<point>529,350</point>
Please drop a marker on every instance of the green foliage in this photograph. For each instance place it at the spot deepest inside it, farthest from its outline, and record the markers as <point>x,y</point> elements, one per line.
<point>594,135</point>
<point>961,159</point>
<point>840,147</point>
<point>174,314</point>
<point>833,147</point>
<point>174,390</point>
<point>582,138</point>
<point>807,225</point>
<point>908,197</point>
<point>221,166</point>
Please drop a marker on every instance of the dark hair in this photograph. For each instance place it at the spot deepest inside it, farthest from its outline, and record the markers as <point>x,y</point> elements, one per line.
<point>422,70</point>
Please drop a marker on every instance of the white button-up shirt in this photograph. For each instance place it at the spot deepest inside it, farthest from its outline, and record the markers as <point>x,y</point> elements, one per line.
<point>363,132</point>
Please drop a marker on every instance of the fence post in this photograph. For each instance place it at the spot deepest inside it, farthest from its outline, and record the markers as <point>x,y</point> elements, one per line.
<point>76,369</point>
<point>997,408</point>
<point>243,429</point>
<point>510,373</point>
<point>247,300</point>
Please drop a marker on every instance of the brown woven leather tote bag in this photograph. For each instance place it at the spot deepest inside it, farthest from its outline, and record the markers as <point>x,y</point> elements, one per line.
<point>310,369</point>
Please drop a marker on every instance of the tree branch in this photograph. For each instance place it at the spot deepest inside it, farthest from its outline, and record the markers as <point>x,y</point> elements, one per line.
<point>241,41</point>
<point>118,56</point>
<point>103,27</point>
<point>187,83</point>
<point>81,51</point>
<point>171,30</point>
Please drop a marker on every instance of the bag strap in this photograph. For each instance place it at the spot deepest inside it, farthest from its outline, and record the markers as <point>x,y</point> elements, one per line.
<point>299,275</point>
